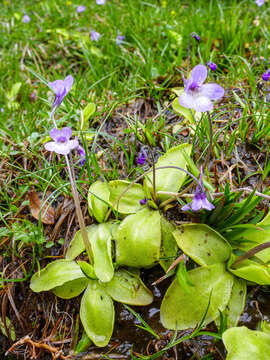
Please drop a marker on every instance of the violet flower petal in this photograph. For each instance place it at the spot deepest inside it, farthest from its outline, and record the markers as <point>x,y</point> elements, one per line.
<point>202,103</point>
<point>66,133</point>
<point>266,76</point>
<point>185,207</point>
<point>101,2</point>
<point>212,66</point>
<point>81,8</point>
<point>206,204</point>
<point>26,19</point>
<point>54,134</point>
<point>61,148</point>
<point>141,159</point>
<point>68,83</point>
<point>58,87</point>
<point>196,203</point>
<point>186,100</point>
<point>212,91</point>
<point>143,201</point>
<point>259,2</point>
<point>82,154</point>
<point>94,35</point>
<point>119,39</point>
<point>199,74</point>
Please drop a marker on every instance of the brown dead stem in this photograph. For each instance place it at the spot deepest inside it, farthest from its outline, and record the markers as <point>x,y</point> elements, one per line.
<point>55,352</point>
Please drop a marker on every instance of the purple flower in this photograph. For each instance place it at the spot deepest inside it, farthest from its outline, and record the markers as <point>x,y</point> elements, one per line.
<point>94,35</point>
<point>259,2</point>
<point>143,201</point>
<point>26,18</point>
<point>142,158</point>
<point>60,88</point>
<point>212,66</point>
<point>199,201</point>
<point>101,2</point>
<point>198,96</point>
<point>2,110</point>
<point>61,144</point>
<point>266,76</point>
<point>195,36</point>
<point>119,39</point>
<point>81,9</point>
<point>82,154</point>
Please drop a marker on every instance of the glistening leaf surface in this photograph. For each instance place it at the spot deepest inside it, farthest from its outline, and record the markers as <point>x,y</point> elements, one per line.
<point>203,244</point>
<point>97,314</point>
<point>55,274</point>
<point>170,179</point>
<point>128,288</point>
<point>138,239</point>
<point>181,310</point>
<point>245,344</point>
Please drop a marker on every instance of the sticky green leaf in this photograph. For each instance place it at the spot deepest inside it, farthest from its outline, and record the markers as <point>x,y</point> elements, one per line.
<point>98,200</point>
<point>76,246</point>
<point>245,344</point>
<point>71,289</point>
<point>169,179</point>
<point>236,303</point>
<point>265,221</point>
<point>186,113</point>
<point>55,274</point>
<point>11,328</point>
<point>181,310</point>
<point>97,314</point>
<point>203,244</point>
<point>130,202</point>
<point>102,252</point>
<point>252,271</point>
<point>168,250</point>
<point>138,239</point>
<point>87,269</point>
<point>256,237</point>
<point>128,288</point>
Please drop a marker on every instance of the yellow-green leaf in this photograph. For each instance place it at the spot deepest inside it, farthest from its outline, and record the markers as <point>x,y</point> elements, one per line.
<point>97,314</point>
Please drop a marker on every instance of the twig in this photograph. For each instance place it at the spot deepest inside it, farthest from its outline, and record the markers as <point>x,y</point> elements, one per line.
<point>79,212</point>
<point>55,353</point>
<point>251,252</point>
<point>216,194</point>
<point>209,150</point>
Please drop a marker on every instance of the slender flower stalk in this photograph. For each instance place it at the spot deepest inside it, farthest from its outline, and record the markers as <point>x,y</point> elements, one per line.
<point>62,144</point>
<point>141,177</point>
<point>79,212</point>
<point>210,145</point>
<point>195,36</point>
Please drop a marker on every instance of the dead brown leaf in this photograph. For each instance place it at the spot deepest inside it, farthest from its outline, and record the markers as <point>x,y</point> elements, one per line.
<point>37,209</point>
